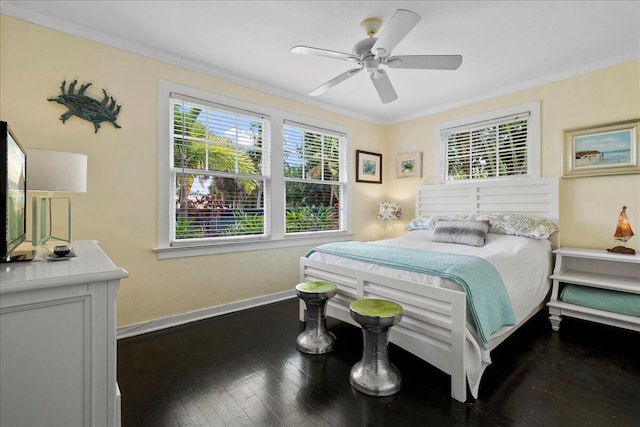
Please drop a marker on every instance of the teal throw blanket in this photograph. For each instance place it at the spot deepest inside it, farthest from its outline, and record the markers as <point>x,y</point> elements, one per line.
<point>602,299</point>
<point>486,295</point>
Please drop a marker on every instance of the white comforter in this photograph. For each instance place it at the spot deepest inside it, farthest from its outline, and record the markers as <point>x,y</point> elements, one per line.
<point>524,265</point>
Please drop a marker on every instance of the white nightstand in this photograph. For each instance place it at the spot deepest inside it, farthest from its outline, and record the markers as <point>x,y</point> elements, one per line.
<point>599,269</point>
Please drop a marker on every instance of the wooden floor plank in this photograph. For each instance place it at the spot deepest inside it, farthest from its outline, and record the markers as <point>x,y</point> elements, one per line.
<point>242,369</point>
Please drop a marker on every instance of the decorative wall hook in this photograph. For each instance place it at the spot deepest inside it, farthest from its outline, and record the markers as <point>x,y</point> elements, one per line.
<point>86,107</point>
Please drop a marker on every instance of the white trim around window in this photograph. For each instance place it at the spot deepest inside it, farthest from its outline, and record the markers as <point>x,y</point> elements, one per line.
<point>277,238</point>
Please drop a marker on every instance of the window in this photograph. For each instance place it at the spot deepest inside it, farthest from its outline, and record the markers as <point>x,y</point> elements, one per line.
<point>502,144</point>
<point>217,170</point>
<point>313,166</point>
<point>234,176</point>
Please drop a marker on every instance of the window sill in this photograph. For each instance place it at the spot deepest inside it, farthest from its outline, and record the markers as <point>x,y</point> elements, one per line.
<point>223,248</point>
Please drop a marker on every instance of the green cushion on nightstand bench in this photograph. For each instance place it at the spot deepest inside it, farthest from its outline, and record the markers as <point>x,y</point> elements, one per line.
<point>376,308</point>
<point>316,287</point>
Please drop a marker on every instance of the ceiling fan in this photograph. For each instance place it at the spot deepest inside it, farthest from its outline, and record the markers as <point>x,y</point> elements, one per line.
<point>372,52</point>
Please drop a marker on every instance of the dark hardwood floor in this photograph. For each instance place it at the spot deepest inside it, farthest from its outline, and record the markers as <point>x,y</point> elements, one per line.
<point>243,369</point>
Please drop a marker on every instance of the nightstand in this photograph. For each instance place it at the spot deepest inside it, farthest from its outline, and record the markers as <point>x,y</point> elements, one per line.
<point>593,268</point>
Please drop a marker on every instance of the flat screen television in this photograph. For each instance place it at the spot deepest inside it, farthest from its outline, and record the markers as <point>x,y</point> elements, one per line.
<point>13,200</point>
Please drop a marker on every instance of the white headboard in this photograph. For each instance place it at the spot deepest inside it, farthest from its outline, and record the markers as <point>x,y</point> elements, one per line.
<point>528,196</point>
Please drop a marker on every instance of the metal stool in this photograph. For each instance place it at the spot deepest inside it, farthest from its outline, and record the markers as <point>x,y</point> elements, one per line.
<point>315,339</point>
<point>374,374</point>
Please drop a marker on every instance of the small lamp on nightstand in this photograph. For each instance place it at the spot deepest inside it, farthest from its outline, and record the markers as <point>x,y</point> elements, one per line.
<point>389,211</point>
<point>622,234</point>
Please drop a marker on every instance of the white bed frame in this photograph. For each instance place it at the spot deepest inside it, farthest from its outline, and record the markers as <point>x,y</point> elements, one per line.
<point>433,326</point>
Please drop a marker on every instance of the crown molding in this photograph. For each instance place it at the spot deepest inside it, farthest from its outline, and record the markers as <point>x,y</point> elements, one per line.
<point>14,10</point>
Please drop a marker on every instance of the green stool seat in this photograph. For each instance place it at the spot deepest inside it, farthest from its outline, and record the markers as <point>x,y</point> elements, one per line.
<point>374,374</point>
<point>376,308</point>
<point>316,339</point>
<point>316,287</point>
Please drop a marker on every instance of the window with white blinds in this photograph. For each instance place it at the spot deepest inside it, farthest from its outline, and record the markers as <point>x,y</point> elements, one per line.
<point>218,170</point>
<point>237,176</point>
<point>314,167</point>
<point>499,146</point>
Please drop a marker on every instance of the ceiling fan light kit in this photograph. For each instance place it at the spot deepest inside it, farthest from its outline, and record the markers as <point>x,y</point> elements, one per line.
<point>372,52</point>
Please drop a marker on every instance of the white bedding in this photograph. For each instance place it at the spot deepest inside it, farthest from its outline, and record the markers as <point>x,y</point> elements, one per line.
<point>524,265</point>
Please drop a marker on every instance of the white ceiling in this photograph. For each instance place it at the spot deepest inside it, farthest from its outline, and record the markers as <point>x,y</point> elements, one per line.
<point>506,45</point>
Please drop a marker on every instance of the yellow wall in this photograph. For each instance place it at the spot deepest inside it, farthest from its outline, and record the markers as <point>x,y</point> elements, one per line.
<point>589,206</point>
<point>120,208</point>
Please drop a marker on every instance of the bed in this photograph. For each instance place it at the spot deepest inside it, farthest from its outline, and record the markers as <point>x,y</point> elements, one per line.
<point>438,323</point>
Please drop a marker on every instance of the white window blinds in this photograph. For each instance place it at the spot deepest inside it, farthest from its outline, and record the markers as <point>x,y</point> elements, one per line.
<point>489,149</point>
<point>314,162</point>
<point>217,170</point>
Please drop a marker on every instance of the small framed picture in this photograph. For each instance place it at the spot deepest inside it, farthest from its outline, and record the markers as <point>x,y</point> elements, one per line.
<point>409,165</point>
<point>609,149</point>
<point>368,167</point>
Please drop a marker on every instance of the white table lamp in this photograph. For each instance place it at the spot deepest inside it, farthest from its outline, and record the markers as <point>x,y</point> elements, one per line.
<point>53,171</point>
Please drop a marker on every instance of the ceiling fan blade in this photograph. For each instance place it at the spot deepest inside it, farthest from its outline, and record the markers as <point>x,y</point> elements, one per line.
<point>314,51</point>
<point>334,81</point>
<point>383,85</point>
<point>425,62</point>
<point>398,27</point>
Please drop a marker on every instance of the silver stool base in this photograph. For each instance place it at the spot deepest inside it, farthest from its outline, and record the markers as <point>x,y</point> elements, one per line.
<point>316,338</point>
<point>374,374</point>
<point>312,343</point>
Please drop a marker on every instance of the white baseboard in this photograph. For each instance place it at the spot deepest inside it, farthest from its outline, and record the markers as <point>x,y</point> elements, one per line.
<point>206,313</point>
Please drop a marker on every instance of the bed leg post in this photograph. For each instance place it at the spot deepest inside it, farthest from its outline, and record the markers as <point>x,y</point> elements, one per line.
<point>459,387</point>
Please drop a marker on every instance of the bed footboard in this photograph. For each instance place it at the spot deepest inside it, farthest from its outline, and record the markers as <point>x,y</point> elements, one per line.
<point>433,324</point>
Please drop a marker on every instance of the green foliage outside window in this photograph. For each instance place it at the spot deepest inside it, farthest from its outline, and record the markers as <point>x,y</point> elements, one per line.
<point>246,223</point>
<point>310,219</point>
<point>489,152</point>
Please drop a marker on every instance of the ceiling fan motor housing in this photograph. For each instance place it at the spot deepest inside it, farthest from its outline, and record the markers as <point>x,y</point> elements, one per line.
<point>363,47</point>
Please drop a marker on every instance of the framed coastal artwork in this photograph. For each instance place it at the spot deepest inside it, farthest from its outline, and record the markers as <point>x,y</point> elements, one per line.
<point>368,167</point>
<point>608,149</point>
<point>409,165</point>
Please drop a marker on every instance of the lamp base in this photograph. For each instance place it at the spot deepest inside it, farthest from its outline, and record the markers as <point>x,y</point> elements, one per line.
<point>42,229</point>
<point>389,230</point>
<point>622,250</point>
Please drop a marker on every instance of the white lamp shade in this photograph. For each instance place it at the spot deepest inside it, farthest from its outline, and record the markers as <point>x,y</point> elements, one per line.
<point>49,170</point>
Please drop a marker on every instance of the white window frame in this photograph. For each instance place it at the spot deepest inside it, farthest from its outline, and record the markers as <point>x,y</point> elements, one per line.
<point>533,141</point>
<point>275,182</point>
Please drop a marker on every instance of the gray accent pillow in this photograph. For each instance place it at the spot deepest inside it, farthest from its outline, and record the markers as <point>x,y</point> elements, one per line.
<point>471,233</point>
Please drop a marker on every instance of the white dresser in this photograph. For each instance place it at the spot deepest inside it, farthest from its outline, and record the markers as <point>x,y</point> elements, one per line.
<point>58,341</point>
